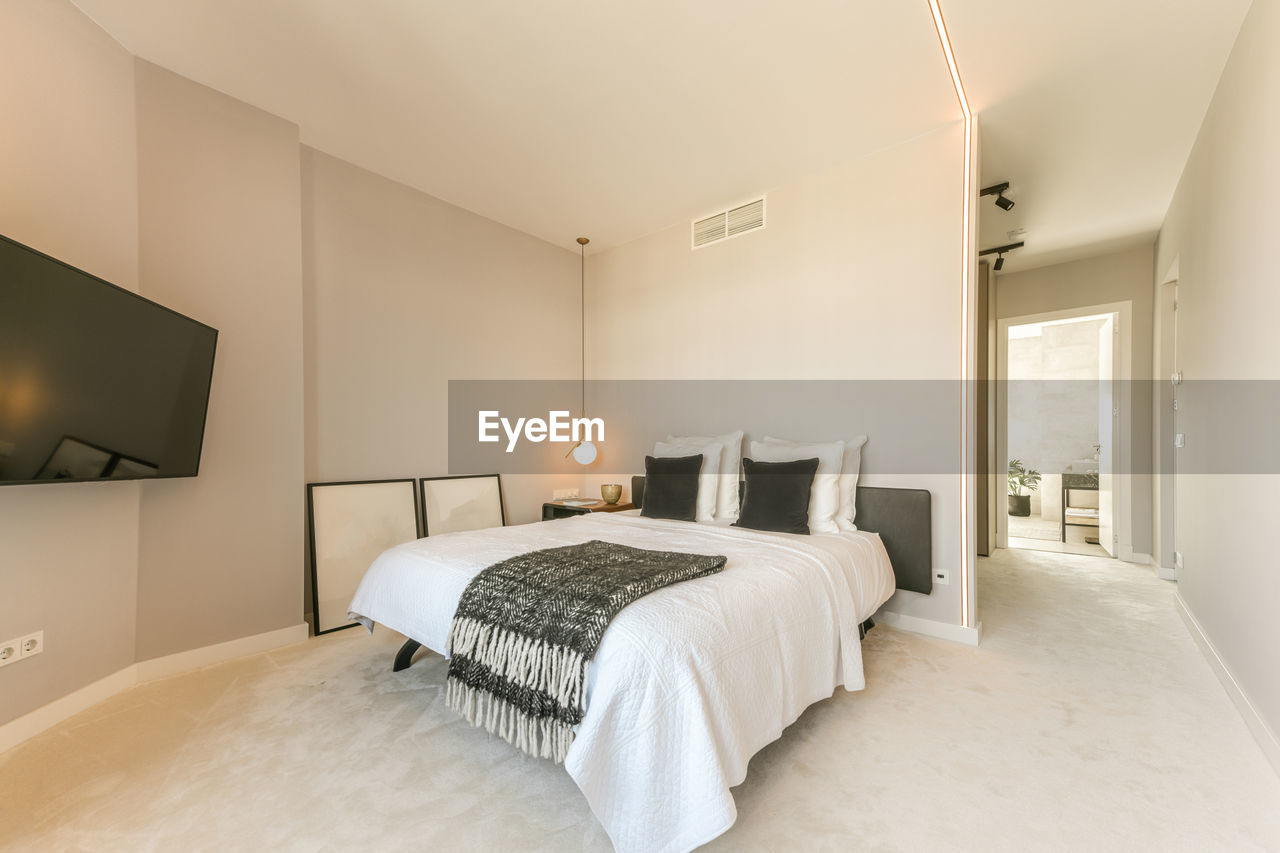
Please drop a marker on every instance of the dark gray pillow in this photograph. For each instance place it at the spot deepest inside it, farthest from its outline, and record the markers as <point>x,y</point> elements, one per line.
<point>776,495</point>
<point>671,487</point>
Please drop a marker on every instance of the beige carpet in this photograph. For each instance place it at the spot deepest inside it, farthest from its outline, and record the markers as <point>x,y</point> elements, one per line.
<point>1035,527</point>
<point>1086,721</point>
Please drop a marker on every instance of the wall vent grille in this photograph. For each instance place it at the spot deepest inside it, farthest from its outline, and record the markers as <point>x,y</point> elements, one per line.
<point>728,223</point>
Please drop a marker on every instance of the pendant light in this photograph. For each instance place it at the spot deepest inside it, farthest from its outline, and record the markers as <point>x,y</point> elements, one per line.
<point>584,452</point>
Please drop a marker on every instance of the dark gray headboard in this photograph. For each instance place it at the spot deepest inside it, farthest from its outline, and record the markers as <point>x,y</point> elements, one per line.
<point>902,517</point>
<point>904,520</point>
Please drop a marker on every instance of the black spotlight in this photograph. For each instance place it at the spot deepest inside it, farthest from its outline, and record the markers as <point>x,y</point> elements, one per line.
<point>999,251</point>
<point>999,264</point>
<point>997,190</point>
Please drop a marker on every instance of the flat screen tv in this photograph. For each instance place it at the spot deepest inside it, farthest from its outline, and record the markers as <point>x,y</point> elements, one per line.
<point>96,382</point>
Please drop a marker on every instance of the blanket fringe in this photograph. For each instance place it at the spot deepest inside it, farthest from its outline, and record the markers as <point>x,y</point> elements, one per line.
<point>556,670</point>
<point>541,738</point>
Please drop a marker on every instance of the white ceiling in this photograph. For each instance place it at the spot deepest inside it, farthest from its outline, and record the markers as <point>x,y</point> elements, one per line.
<point>1089,109</point>
<point>603,118</point>
<point>616,119</point>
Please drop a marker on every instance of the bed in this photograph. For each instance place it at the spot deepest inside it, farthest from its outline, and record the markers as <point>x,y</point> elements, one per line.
<point>690,681</point>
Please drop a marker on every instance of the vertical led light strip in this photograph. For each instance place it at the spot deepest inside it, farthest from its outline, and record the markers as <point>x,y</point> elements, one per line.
<point>966,618</point>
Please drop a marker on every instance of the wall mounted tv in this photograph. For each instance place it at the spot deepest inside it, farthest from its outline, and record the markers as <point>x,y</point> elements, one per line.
<point>96,383</point>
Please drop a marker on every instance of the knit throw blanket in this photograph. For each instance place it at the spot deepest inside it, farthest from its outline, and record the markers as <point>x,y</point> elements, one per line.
<point>527,627</point>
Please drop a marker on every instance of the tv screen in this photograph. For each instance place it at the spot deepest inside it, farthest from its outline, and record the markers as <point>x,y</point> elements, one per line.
<point>96,382</point>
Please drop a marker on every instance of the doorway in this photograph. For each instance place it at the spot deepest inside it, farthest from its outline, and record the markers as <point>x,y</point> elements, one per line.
<point>1060,431</point>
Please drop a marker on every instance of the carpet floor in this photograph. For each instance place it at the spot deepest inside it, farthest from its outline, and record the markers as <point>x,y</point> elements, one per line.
<point>1087,720</point>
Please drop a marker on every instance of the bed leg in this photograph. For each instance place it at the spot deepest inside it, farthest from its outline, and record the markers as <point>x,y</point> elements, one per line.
<point>404,657</point>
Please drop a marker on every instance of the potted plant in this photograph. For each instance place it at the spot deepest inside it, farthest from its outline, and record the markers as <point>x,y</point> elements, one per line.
<point>1021,478</point>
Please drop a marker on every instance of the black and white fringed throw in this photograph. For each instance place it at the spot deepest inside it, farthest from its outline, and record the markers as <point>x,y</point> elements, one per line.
<point>527,627</point>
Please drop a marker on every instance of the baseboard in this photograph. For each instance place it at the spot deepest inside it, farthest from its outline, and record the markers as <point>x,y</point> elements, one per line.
<point>932,628</point>
<point>46,717</point>
<point>163,667</point>
<point>1140,559</point>
<point>1258,727</point>
<point>1166,574</point>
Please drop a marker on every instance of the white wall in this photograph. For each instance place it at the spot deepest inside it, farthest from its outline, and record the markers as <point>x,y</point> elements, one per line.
<point>1118,277</point>
<point>404,293</point>
<point>220,554</point>
<point>68,187</point>
<point>856,276</point>
<point>1221,231</point>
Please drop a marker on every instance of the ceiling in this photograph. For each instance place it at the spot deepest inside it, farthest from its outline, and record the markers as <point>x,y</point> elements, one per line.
<point>601,118</point>
<point>1089,109</point>
<point>614,120</point>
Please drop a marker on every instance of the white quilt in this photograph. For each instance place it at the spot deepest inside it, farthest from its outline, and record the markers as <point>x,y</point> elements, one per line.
<point>690,681</point>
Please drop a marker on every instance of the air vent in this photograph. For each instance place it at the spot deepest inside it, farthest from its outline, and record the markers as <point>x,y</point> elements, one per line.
<point>729,223</point>
<point>708,230</point>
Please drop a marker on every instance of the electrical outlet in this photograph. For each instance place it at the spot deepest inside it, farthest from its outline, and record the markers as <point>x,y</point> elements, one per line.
<point>23,647</point>
<point>32,644</point>
<point>563,494</point>
<point>1177,559</point>
<point>942,576</point>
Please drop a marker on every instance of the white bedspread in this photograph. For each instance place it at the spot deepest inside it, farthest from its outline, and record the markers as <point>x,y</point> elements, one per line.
<point>691,680</point>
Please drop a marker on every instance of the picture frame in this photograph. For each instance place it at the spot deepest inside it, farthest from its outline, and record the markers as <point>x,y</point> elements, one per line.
<point>461,502</point>
<point>348,525</point>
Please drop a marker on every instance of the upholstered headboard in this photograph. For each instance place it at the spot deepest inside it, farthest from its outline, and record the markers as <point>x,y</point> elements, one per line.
<point>902,517</point>
<point>904,520</point>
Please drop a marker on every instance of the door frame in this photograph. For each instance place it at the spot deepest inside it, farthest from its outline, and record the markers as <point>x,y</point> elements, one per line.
<point>1122,370</point>
<point>1164,493</point>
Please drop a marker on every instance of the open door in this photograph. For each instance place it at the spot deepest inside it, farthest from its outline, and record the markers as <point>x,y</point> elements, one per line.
<point>1108,413</point>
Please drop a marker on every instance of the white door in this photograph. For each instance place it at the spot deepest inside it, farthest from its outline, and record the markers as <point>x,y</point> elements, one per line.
<point>1108,412</point>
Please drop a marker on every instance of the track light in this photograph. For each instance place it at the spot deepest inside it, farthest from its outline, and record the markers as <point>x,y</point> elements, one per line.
<point>999,252</point>
<point>997,190</point>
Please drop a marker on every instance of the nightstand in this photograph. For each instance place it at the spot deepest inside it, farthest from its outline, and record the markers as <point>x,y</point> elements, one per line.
<point>558,509</point>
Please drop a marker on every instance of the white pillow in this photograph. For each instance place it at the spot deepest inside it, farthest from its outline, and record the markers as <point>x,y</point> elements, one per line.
<point>824,495</point>
<point>849,484</point>
<point>730,469</point>
<point>708,474</point>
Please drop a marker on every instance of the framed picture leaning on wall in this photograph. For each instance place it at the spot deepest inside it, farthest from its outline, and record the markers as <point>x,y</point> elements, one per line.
<point>463,502</point>
<point>349,525</point>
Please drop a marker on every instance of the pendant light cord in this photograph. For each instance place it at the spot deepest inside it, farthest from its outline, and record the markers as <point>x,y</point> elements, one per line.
<point>582,301</point>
